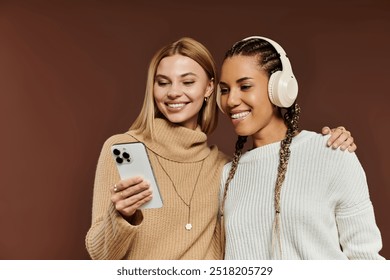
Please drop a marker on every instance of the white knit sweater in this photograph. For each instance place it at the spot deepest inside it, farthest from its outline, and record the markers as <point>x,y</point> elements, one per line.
<point>326,212</point>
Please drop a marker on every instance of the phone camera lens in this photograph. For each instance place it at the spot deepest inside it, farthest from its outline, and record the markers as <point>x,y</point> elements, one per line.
<point>116,152</point>
<point>126,155</point>
<point>119,160</point>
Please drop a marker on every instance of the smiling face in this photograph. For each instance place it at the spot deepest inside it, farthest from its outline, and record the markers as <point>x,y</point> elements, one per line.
<point>180,87</point>
<point>244,98</point>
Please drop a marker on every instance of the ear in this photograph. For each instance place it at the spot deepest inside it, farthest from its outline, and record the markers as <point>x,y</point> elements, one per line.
<point>209,88</point>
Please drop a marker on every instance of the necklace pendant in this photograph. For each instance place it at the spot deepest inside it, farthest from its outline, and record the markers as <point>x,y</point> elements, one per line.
<point>188,226</point>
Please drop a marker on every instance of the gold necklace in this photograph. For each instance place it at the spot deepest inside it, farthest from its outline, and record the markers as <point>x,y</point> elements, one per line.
<point>188,226</point>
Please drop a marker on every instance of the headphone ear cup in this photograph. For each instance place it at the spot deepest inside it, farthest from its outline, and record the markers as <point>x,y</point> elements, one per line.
<point>273,88</point>
<point>287,89</point>
<point>282,89</point>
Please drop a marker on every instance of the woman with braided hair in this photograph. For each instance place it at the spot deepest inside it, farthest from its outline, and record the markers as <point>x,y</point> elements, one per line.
<point>289,197</point>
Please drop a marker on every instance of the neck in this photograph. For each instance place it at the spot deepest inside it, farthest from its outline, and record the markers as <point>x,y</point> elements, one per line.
<point>274,132</point>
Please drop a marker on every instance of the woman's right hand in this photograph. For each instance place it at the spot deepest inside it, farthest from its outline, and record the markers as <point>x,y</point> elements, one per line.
<point>128,195</point>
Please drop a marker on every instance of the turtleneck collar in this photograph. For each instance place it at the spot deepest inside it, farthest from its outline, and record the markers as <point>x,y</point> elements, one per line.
<point>175,142</point>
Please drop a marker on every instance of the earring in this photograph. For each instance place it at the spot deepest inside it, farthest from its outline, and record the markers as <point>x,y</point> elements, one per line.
<point>206,99</point>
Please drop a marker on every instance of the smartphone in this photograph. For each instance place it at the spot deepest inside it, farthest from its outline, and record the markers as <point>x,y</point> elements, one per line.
<point>132,159</point>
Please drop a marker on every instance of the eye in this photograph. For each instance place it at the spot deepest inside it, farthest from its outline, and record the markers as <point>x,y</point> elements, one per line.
<point>245,87</point>
<point>188,83</point>
<point>162,83</point>
<point>224,90</point>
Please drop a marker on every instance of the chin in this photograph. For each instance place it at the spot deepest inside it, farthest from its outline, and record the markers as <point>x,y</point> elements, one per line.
<point>242,132</point>
<point>174,118</point>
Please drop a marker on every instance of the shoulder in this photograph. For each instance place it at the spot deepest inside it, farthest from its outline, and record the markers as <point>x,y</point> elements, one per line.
<point>226,169</point>
<point>117,139</point>
<point>306,138</point>
<point>313,146</point>
<point>220,156</point>
<point>120,138</point>
<point>310,140</point>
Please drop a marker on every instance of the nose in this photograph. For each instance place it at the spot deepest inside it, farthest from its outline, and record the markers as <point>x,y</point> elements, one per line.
<point>174,91</point>
<point>233,98</point>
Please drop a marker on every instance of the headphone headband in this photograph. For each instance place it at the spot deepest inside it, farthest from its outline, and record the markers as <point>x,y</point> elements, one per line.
<point>283,56</point>
<point>278,48</point>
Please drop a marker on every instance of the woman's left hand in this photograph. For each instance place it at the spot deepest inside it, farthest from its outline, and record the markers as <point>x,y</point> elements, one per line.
<point>340,137</point>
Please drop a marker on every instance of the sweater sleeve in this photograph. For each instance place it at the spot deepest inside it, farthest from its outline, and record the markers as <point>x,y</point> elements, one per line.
<point>218,241</point>
<point>359,235</point>
<point>110,235</point>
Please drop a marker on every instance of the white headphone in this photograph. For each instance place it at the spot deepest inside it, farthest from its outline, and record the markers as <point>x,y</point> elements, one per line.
<point>282,85</point>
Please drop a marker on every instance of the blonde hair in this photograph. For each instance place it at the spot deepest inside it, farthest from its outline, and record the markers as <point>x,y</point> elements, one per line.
<point>208,114</point>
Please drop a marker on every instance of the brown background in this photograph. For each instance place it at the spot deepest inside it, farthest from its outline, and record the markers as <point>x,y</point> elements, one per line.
<point>72,73</point>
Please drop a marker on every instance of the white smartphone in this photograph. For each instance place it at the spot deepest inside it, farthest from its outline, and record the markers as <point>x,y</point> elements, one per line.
<point>132,160</point>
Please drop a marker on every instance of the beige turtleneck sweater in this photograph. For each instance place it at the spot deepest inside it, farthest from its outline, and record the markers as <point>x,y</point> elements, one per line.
<point>160,233</point>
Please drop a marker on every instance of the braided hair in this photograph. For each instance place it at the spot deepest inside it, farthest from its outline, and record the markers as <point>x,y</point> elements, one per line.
<point>269,61</point>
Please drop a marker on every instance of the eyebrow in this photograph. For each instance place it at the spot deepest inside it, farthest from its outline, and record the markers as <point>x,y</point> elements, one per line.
<point>182,75</point>
<point>238,81</point>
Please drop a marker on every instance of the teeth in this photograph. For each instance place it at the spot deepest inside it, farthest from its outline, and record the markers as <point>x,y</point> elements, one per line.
<point>176,105</point>
<point>240,115</point>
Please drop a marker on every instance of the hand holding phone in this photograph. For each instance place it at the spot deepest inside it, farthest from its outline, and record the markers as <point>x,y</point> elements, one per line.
<point>132,161</point>
<point>130,194</point>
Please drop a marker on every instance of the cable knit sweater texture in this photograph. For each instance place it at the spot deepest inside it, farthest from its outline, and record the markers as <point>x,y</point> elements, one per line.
<point>160,233</point>
<point>325,204</point>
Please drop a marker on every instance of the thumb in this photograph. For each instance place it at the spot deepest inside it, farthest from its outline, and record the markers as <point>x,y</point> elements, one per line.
<point>325,130</point>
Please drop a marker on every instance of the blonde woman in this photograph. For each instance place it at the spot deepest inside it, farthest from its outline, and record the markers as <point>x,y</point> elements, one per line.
<point>178,113</point>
